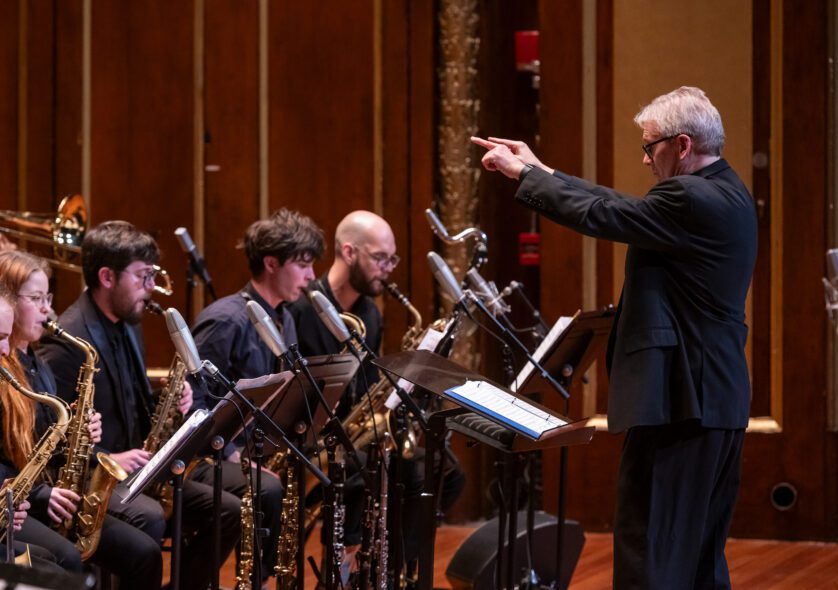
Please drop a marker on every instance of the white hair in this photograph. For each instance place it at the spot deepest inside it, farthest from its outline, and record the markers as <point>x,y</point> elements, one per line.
<point>686,110</point>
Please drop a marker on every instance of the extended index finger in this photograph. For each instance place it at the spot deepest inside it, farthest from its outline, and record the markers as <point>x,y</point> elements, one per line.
<point>506,142</point>
<point>483,142</point>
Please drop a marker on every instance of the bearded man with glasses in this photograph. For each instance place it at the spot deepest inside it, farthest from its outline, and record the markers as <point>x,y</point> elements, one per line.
<point>679,382</point>
<point>119,267</point>
<point>365,255</point>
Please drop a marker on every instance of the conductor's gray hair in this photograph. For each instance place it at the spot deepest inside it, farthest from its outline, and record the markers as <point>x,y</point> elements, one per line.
<point>687,111</point>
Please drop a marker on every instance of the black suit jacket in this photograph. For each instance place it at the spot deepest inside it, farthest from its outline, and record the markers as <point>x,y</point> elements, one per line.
<point>65,360</point>
<point>676,351</point>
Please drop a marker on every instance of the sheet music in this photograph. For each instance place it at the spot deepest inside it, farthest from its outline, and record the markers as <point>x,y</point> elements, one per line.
<point>187,428</point>
<point>557,330</point>
<point>429,342</point>
<point>511,410</point>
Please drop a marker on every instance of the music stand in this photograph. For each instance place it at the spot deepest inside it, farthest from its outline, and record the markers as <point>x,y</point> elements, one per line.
<point>573,350</point>
<point>298,408</point>
<point>570,354</point>
<point>195,437</point>
<point>440,376</point>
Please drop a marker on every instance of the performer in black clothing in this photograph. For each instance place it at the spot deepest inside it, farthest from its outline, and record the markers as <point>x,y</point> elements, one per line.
<point>365,255</point>
<point>117,261</point>
<point>280,252</point>
<point>12,430</point>
<point>679,379</point>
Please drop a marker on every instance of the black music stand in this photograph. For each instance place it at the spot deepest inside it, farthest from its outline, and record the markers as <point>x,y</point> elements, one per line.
<point>299,409</point>
<point>439,375</point>
<point>194,438</point>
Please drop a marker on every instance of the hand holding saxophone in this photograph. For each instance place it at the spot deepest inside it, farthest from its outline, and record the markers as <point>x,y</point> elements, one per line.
<point>62,504</point>
<point>132,459</point>
<point>21,514</point>
<point>185,400</point>
<point>94,427</point>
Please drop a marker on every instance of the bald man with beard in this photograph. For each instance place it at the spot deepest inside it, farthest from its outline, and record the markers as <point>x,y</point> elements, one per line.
<point>365,255</point>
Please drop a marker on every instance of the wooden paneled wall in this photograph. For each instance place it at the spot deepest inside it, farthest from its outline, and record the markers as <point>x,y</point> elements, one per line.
<point>209,113</point>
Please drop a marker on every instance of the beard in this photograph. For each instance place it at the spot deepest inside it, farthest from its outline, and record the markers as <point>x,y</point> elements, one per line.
<point>130,313</point>
<point>362,284</point>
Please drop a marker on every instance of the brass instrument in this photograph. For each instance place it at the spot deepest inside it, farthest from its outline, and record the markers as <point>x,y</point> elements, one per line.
<point>22,484</point>
<point>356,324</point>
<point>86,524</point>
<point>286,551</point>
<point>166,418</point>
<point>64,231</point>
<point>245,564</point>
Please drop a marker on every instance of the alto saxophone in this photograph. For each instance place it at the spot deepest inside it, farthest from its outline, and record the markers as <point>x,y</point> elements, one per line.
<point>286,551</point>
<point>22,484</point>
<point>166,419</point>
<point>86,524</point>
<point>245,565</point>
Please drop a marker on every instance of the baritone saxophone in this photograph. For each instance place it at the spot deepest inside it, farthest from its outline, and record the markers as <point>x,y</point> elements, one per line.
<point>86,525</point>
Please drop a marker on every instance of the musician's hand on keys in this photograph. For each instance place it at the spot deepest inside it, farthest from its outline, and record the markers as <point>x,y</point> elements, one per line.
<point>62,504</point>
<point>185,398</point>
<point>94,427</point>
<point>131,460</point>
<point>20,514</point>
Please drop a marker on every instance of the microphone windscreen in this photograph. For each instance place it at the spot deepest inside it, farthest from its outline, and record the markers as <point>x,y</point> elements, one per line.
<point>443,275</point>
<point>266,328</point>
<point>183,341</point>
<point>184,239</point>
<point>329,316</point>
<point>436,224</point>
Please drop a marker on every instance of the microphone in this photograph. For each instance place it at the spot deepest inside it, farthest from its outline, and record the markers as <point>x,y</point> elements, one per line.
<point>266,329</point>
<point>183,341</point>
<point>445,278</point>
<point>196,261</point>
<point>329,316</point>
<point>487,292</point>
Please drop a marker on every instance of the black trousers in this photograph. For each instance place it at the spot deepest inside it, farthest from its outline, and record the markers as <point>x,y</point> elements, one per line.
<point>676,493</point>
<point>270,498</point>
<point>146,514</point>
<point>59,550</point>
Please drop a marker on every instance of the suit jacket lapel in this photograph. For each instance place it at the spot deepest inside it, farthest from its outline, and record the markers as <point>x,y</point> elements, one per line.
<point>99,340</point>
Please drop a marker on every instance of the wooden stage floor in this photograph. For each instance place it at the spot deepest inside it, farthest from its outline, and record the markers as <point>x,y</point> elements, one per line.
<point>765,565</point>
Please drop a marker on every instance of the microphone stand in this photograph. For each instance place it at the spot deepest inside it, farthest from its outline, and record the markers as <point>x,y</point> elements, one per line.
<point>333,425</point>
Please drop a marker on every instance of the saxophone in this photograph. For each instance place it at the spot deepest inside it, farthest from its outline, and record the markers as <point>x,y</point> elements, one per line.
<point>370,417</point>
<point>245,564</point>
<point>86,524</point>
<point>286,551</point>
<point>23,482</point>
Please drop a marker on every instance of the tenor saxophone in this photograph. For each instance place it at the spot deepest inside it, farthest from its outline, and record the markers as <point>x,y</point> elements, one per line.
<point>22,484</point>
<point>86,525</point>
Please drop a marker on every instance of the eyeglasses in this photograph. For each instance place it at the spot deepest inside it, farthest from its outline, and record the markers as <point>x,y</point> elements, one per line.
<point>39,299</point>
<point>647,147</point>
<point>146,276</point>
<point>382,259</point>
